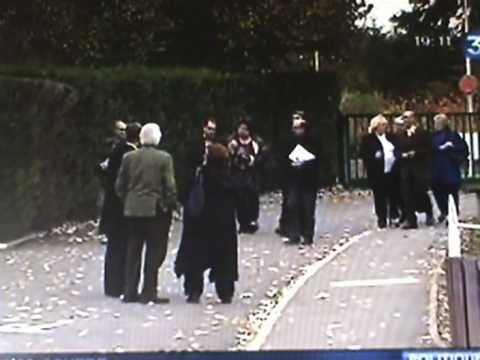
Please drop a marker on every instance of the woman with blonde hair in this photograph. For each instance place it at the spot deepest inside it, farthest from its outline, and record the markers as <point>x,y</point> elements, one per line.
<point>378,153</point>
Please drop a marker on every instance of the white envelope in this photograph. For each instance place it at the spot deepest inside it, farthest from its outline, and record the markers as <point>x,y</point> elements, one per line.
<point>300,154</point>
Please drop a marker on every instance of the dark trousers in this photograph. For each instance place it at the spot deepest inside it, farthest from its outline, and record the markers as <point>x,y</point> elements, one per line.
<point>397,202</point>
<point>384,197</point>
<point>283,221</point>
<point>152,232</point>
<point>248,207</point>
<point>193,286</point>
<point>415,195</point>
<point>301,210</point>
<point>115,258</point>
<point>441,193</point>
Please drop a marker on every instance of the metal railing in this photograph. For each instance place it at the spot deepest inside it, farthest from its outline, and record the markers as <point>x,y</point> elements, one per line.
<point>466,124</point>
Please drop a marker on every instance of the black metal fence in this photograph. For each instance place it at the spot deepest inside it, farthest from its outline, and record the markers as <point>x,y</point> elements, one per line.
<point>355,126</point>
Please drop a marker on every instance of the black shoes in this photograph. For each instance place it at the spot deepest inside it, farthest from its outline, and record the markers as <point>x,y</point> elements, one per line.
<point>281,232</point>
<point>382,224</point>
<point>130,299</point>
<point>293,241</point>
<point>308,242</point>
<point>409,226</point>
<point>142,299</point>
<point>154,299</point>
<point>442,218</point>
<point>251,228</point>
<point>194,298</point>
<point>430,220</point>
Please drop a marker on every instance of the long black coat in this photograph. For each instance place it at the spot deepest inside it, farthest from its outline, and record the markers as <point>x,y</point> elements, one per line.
<point>375,167</point>
<point>210,241</point>
<point>112,211</point>
<point>194,159</point>
<point>420,165</point>
<point>306,176</point>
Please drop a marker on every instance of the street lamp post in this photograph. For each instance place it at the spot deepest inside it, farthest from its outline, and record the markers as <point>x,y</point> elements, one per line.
<point>468,62</point>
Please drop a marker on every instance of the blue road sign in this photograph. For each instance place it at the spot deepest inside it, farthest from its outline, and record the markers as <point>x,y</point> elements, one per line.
<point>472,45</point>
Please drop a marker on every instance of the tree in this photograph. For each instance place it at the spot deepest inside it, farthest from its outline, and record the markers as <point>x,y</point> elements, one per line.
<point>256,35</point>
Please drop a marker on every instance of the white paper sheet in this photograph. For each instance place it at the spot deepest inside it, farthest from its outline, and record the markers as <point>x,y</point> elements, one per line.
<point>300,154</point>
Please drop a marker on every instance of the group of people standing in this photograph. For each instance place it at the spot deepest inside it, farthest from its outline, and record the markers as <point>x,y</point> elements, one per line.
<point>404,162</point>
<point>221,190</point>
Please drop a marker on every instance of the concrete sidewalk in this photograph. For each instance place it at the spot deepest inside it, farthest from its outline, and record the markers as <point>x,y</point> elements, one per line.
<point>373,295</point>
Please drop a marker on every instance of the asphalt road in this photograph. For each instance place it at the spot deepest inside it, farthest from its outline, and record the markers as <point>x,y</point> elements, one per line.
<point>55,283</point>
<point>374,295</point>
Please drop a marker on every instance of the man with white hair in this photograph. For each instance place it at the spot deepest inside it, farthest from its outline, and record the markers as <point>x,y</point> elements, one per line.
<point>146,184</point>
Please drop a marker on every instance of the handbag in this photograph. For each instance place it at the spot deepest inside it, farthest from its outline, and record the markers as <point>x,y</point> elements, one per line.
<point>196,199</point>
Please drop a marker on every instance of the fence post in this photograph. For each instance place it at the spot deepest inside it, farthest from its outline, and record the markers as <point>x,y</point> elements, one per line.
<point>454,242</point>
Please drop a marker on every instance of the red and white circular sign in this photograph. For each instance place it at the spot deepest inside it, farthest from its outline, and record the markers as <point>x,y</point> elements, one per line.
<point>468,84</point>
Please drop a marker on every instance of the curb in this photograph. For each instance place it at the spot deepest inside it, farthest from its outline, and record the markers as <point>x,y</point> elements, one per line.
<point>433,309</point>
<point>264,332</point>
<point>22,240</point>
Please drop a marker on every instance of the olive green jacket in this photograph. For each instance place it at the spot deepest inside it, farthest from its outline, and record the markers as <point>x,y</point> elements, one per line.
<point>146,183</point>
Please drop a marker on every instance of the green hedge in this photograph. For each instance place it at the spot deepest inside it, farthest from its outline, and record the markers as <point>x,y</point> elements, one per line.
<point>54,122</point>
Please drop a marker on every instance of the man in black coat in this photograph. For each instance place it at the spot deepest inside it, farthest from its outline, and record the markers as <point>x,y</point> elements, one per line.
<point>196,157</point>
<point>299,158</point>
<point>112,222</point>
<point>415,150</point>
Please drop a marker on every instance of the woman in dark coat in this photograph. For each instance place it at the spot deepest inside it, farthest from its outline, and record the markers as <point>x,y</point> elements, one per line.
<point>378,154</point>
<point>112,222</point>
<point>450,150</point>
<point>209,241</point>
<point>247,153</point>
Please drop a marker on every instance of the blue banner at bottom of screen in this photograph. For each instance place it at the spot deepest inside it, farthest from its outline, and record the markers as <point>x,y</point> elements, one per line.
<point>442,355</point>
<point>263,355</point>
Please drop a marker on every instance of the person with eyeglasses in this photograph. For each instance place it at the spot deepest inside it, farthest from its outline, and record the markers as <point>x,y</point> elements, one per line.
<point>415,153</point>
<point>300,165</point>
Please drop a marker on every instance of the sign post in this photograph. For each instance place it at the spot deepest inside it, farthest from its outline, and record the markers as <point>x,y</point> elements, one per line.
<point>472,48</point>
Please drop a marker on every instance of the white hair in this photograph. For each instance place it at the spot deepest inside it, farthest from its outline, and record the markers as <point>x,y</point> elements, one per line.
<point>441,117</point>
<point>150,135</point>
<point>375,122</point>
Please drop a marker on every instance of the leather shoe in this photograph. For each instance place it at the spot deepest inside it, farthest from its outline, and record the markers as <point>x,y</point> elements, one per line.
<point>130,299</point>
<point>409,226</point>
<point>193,300</point>
<point>430,220</point>
<point>292,241</point>
<point>155,300</point>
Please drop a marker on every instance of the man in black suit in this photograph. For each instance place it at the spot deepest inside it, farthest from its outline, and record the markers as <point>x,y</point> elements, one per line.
<point>112,222</point>
<point>196,157</point>
<point>415,150</point>
<point>299,157</point>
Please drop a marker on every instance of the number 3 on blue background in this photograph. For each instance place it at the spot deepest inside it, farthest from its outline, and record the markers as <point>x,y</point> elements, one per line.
<point>472,45</point>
